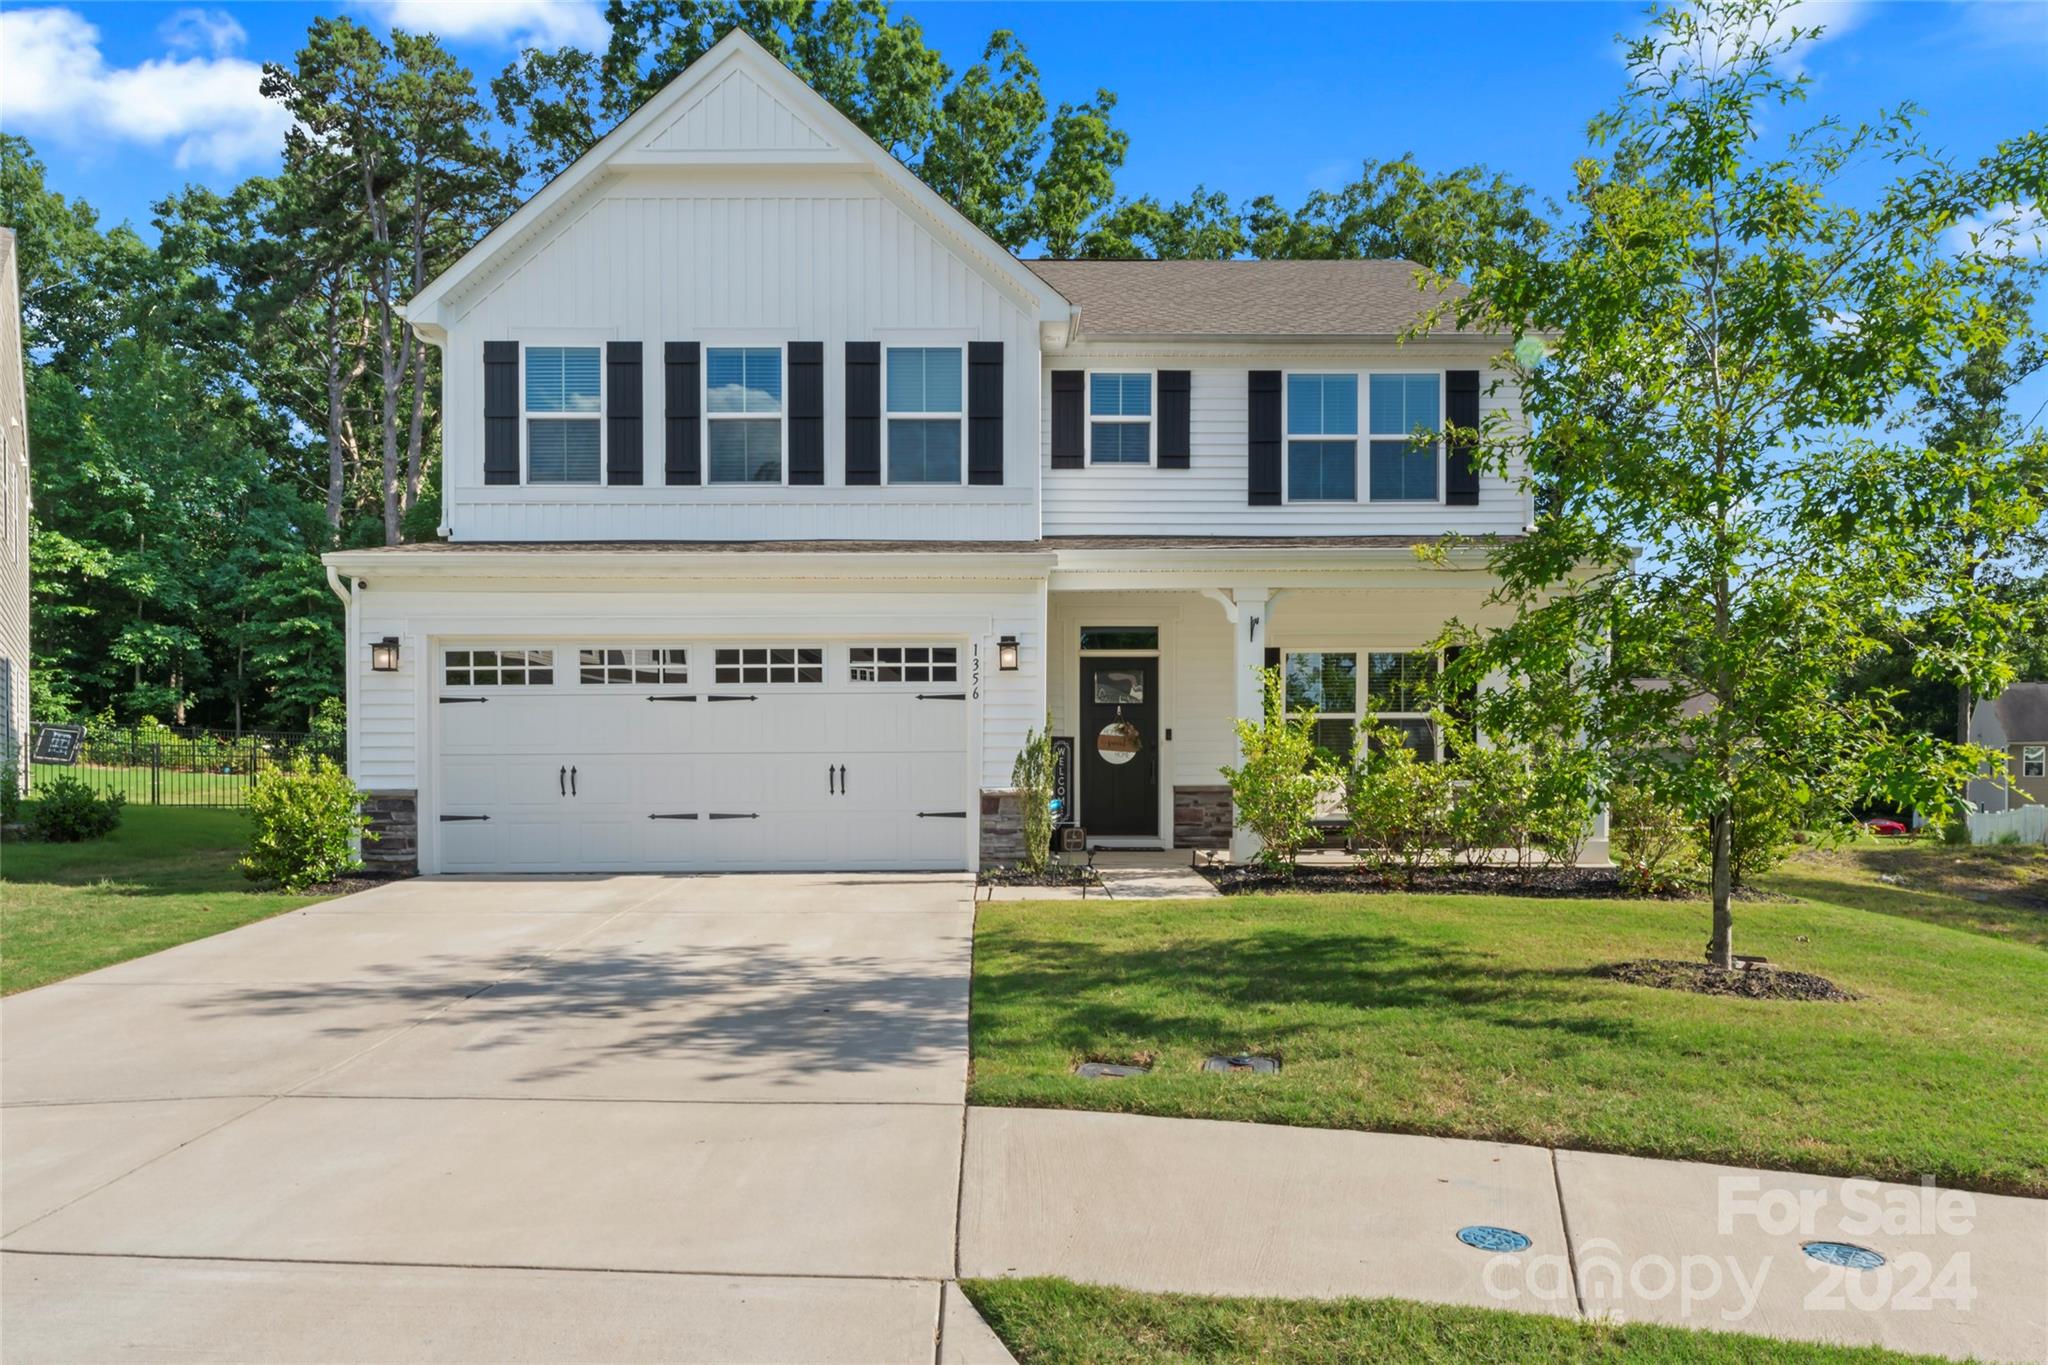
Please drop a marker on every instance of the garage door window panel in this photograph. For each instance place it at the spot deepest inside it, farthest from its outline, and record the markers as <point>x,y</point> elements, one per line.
<point>466,668</point>
<point>633,666</point>
<point>769,665</point>
<point>903,664</point>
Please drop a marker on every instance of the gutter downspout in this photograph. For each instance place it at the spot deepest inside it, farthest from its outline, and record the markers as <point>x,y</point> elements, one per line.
<point>348,675</point>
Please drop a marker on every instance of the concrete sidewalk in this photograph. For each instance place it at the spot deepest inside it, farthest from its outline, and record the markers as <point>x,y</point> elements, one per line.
<point>1191,1206</point>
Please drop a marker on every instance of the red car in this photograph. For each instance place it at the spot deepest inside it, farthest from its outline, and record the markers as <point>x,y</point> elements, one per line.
<point>1887,829</point>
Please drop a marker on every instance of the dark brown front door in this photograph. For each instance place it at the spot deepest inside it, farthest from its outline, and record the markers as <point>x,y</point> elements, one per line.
<point>1119,746</point>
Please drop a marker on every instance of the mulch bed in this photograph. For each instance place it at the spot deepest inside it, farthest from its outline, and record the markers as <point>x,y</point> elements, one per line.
<point>1056,874</point>
<point>353,882</point>
<point>1752,983</point>
<point>1578,883</point>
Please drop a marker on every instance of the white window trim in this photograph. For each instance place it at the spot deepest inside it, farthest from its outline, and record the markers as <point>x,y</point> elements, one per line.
<point>960,416</point>
<point>1362,467</point>
<point>1089,419</point>
<point>706,417</point>
<point>443,648</point>
<point>526,415</point>
<point>2033,760</point>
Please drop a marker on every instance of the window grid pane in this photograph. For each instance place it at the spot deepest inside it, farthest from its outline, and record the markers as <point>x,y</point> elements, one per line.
<point>746,450</point>
<point>1119,442</point>
<point>640,666</point>
<point>562,450</point>
<point>1120,395</point>
<point>769,664</point>
<point>923,451</point>
<point>1322,405</point>
<point>743,379</point>
<point>1403,404</point>
<point>903,663</point>
<point>1326,681</point>
<point>1400,682</point>
<point>1322,471</point>
<point>1402,472</point>
<point>498,667</point>
<point>565,379</point>
<point>924,379</point>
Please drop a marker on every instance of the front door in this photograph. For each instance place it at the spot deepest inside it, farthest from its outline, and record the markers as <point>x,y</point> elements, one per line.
<point>1119,747</point>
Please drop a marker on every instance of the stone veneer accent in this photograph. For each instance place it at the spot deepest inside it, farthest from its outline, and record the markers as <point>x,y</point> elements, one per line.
<point>1002,827</point>
<point>394,817</point>
<point>1202,817</point>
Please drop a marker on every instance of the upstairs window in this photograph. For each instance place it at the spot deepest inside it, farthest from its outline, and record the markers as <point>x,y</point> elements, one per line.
<point>1322,437</point>
<point>926,414</point>
<point>564,395</point>
<point>1119,418</point>
<point>1405,469</point>
<point>2034,760</point>
<point>743,413</point>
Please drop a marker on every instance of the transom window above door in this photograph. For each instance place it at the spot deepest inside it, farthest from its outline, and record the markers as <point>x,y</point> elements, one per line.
<point>769,664</point>
<point>564,394</point>
<point>1119,418</point>
<point>498,667</point>
<point>637,666</point>
<point>1322,438</point>
<point>1119,637</point>
<point>743,413</point>
<point>903,663</point>
<point>926,413</point>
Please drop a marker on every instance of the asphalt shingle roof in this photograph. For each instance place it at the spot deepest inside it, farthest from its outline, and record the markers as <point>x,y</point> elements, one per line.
<point>2023,711</point>
<point>1247,298</point>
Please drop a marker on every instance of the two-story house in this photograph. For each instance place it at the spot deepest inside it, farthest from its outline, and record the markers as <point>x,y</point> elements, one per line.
<point>780,503</point>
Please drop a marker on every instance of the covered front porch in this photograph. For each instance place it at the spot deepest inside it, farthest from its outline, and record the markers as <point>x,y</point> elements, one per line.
<point>1152,656</point>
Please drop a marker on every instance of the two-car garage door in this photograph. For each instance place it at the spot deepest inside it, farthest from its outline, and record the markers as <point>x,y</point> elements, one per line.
<point>618,756</point>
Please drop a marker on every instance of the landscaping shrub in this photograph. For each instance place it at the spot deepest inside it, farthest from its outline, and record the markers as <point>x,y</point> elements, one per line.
<point>1402,807</point>
<point>1493,791</point>
<point>1767,824</point>
<point>10,793</point>
<point>1654,848</point>
<point>1562,782</point>
<point>66,811</point>
<point>1032,776</point>
<point>1283,773</point>
<point>306,815</point>
<point>328,730</point>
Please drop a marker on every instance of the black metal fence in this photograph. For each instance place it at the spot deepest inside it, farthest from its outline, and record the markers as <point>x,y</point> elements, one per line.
<point>173,766</point>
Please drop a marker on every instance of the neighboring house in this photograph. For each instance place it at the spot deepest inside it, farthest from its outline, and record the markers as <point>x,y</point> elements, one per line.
<point>781,503</point>
<point>2016,721</point>
<point>13,519</point>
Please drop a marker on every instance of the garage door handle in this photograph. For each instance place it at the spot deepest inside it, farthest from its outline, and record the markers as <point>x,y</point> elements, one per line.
<point>831,782</point>
<point>942,696</point>
<point>690,816</point>
<point>675,696</point>
<point>728,815</point>
<point>572,779</point>
<point>463,701</point>
<point>942,815</point>
<point>842,779</point>
<point>729,696</point>
<point>562,781</point>
<point>452,819</point>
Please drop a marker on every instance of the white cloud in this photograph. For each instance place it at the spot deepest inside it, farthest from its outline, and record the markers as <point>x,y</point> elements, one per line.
<point>519,23</point>
<point>1832,17</point>
<point>204,105</point>
<point>2007,230</point>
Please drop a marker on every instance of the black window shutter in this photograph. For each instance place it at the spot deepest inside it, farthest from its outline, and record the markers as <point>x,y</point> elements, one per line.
<point>1069,427</point>
<point>1461,464</point>
<point>985,412</point>
<point>622,408</point>
<point>806,412</point>
<point>1173,419</point>
<point>501,412</point>
<point>1272,658</point>
<point>680,389</point>
<point>1262,450</point>
<point>863,412</point>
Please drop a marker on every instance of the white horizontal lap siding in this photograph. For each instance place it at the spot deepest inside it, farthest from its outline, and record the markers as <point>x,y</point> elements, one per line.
<point>729,256</point>
<point>1208,497</point>
<point>1378,618</point>
<point>386,719</point>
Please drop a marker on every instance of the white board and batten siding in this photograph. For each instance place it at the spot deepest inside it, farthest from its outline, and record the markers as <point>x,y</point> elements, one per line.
<point>1209,497</point>
<point>733,255</point>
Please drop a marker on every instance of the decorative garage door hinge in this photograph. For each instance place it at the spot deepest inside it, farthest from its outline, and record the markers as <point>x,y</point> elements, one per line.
<point>452,819</point>
<point>463,701</point>
<point>729,696</point>
<point>942,696</point>
<point>942,815</point>
<point>674,696</point>
<point>689,816</point>
<point>728,815</point>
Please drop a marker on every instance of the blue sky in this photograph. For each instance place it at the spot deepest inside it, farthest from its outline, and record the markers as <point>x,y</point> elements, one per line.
<point>127,101</point>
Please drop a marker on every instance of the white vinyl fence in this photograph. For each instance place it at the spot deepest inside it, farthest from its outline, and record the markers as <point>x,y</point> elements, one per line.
<point>2030,823</point>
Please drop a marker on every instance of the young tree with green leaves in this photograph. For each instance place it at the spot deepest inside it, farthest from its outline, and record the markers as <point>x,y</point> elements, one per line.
<point>1710,350</point>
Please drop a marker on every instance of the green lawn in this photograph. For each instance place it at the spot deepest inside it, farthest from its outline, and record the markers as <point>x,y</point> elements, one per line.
<point>166,876</point>
<point>1472,1016</point>
<point>2000,890</point>
<point>138,783</point>
<point>1044,1321</point>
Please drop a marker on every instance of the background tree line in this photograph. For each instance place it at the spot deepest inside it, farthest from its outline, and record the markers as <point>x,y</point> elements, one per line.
<point>212,412</point>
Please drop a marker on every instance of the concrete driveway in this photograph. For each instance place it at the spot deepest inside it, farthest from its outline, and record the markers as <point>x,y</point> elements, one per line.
<point>415,1119</point>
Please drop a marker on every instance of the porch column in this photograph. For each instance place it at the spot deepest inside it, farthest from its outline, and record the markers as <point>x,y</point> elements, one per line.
<point>1249,627</point>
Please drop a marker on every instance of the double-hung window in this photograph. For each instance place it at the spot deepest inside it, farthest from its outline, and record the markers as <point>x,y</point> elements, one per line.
<point>743,413</point>
<point>1322,438</point>
<point>564,395</point>
<point>1398,685</point>
<point>1407,410</point>
<point>926,413</point>
<point>1326,682</point>
<point>2034,760</point>
<point>1119,418</point>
